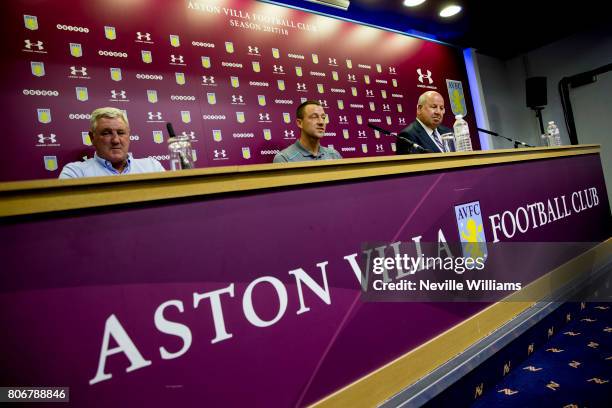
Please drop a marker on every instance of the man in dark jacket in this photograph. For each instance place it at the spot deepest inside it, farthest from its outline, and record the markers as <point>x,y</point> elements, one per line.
<point>425,131</point>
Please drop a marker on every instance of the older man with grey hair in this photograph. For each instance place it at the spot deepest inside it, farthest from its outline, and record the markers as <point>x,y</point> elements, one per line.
<point>427,129</point>
<point>110,134</point>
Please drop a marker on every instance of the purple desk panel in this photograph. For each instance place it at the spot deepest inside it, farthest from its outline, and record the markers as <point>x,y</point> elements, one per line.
<point>196,303</point>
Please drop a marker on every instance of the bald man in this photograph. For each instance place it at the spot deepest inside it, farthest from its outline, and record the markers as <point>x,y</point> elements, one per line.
<point>426,129</point>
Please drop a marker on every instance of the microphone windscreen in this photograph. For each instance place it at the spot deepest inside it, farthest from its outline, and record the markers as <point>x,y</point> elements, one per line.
<point>170,129</point>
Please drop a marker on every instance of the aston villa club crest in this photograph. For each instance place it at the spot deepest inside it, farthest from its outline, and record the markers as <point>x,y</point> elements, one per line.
<point>180,78</point>
<point>394,82</point>
<point>286,117</point>
<point>364,147</point>
<point>261,100</point>
<point>471,230</point>
<point>211,98</point>
<point>456,96</point>
<point>186,116</point>
<point>267,134</point>
<point>217,137</point>
<point>359,120</point>
<point>298,71</point>
<point>335,75</point>
<point>246,153</point>
<point>86,139</point>
<point>366,79</point>
<point>372,106</point>
<point>147,57</point>
<point>378,68</point>
<point>76,50</point>
<point>206,62</point>
<point>353,91</point>
<point>399,108</point>
<point>256,66</point>
<point>229,47</point>
<point>175,41</point>
<point>393,147</point>
<point>275,53</point>
<point>320,88</point>
<point>152,96</point>
<point>81,93</point>
<point>340,104</point>
<point>30,22</point>
<point>388,120</point>
<point>349,63</point>
<point>38,69</point>
<point>345,133</point>
<point>110,33</point>
<point>235,82</point>
<point>281,84</point>
<point>315,58</point>
<point>50,163</point>
<point>44,115</point>
<point>158,136</point>
<point>240,117</point>
<point>115,74</point>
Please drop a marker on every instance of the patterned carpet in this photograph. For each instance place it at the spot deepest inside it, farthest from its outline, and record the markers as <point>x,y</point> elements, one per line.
<point>563,361</point>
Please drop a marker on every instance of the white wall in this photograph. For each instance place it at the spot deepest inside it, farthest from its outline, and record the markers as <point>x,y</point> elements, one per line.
<point>503,85</point>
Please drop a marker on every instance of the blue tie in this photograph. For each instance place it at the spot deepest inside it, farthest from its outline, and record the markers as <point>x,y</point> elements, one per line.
<point>436,138</point>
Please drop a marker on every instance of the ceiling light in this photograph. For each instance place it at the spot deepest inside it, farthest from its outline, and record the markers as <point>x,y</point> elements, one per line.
<point>413,3</point>
<point>341,4</point>
<point>450,11</point>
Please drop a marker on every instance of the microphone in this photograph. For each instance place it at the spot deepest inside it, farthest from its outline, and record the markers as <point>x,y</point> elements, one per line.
<point>184,162</point>
<point>170,129</point>
<point>516,142</point>
<point>487,131</point>
<point>415,146</point>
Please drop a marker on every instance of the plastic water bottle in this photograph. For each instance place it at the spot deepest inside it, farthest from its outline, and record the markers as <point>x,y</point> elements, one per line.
<point>463,143</point>
<point>553,133</point>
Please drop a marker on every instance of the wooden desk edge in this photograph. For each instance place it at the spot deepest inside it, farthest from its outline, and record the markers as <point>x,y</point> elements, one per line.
<point>40,196</point>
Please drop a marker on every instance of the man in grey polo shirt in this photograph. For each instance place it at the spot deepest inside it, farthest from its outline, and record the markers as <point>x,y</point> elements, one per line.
<point>310,118</point>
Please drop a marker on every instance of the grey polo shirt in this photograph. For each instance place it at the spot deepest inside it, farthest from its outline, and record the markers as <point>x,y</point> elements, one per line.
<point>297,153</point>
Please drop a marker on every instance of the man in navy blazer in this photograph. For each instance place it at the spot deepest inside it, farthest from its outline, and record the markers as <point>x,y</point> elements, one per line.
<point>425,131</point>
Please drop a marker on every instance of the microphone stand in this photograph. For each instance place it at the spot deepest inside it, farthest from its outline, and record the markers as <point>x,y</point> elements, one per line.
<point>412,144</point>
<point>516,142</point>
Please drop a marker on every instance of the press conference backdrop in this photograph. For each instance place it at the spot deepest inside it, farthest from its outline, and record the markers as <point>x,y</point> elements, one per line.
<point>228,73</point>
